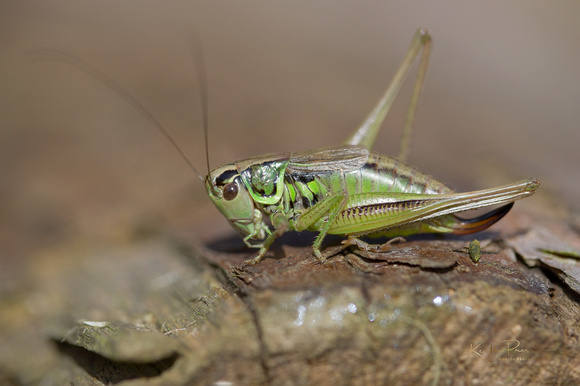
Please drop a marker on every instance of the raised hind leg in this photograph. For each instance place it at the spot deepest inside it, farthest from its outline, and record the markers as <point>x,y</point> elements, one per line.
<point>366,133</point>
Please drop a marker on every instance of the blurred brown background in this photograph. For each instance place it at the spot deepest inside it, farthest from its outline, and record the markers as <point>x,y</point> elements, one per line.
<point>77,162</point>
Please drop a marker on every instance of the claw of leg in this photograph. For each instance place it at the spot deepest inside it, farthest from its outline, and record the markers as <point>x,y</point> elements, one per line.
<point>387,245</point>
<point>253,261</point>
<point>358,243</point>
<point>257,259</point>
<point>318,254</point>
<point>372,247</point>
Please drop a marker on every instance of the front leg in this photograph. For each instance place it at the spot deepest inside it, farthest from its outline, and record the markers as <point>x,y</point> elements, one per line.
<point>331,206</point>
<point>280,223</point>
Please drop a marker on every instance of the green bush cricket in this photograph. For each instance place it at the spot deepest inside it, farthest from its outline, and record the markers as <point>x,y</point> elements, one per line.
<point>343,190</point>
<point>349,190</point>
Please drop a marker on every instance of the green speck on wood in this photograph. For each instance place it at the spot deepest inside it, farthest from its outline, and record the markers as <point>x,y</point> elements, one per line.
<point>474,250</point>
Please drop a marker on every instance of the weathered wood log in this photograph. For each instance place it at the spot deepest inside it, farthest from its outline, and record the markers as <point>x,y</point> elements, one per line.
<point>161,311</point>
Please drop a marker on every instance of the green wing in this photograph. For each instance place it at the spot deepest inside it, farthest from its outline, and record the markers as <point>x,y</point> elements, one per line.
<point>328,159</point>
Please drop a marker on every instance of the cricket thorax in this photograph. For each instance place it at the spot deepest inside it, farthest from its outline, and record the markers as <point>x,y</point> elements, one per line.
<point>303,191</point>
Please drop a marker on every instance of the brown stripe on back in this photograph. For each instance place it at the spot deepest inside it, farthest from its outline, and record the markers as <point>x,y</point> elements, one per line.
<point>417,182</point>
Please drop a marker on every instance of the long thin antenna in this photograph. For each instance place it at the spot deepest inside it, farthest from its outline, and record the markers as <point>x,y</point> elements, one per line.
<point>199,59</point>
<point>60,56</point>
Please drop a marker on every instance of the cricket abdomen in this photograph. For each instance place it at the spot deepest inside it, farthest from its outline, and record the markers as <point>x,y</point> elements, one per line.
<point>382,174</point>
<point>377,193</point>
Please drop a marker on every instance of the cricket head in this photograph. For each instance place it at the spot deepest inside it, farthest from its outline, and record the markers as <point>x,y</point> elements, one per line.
<point>242,190</point>
<point>231,196</point>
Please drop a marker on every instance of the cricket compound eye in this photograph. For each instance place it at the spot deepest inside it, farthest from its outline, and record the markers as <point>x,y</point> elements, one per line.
<point>230,191</point>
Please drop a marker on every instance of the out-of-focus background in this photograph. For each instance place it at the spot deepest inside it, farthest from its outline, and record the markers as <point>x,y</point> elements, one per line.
<point>76,161</point>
